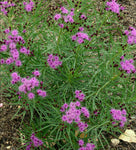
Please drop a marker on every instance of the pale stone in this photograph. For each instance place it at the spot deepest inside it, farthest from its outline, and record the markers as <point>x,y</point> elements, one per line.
<point>115,142</point>
<point>128,136</point>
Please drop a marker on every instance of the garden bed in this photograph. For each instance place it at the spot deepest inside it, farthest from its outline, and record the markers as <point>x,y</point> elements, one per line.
<point>10,128</point>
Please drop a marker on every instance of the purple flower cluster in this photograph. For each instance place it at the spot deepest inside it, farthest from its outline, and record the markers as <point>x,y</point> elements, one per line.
<point>29,146</point>
<point>53,61</point>
<point>57,16</point>
<point>73,114</point>
<point>28,85</point>
<point>89,146</point>
<point>15,78</point>
<point>10,44</point>
<point>35,141</point>
<point>36,73</point>
<point>67,18</point>
<point>41,93</point>
<point>28,6</point>
<point>4,5</point>
<point>119,115</point>
<point>79,95</point>
<point>64,10</point>
<point>24,50</point>
<point>114,7</point>
<point>81,29</point>
<point>80,37</point>
<point>131,35</point>
<point>128,66</point>
<point>83,17</point>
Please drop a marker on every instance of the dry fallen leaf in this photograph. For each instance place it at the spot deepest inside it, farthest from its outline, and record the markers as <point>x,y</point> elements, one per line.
<point>114,142</point>
<point>128,136</point>
<point>82,135</point>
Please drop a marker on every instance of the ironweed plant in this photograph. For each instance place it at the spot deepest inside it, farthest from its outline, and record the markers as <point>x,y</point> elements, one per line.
<point>70,71</point>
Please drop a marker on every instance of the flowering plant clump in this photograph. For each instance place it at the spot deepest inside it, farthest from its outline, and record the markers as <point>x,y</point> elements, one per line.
<point>119,115</point>
<point>74,115</point>
<point>28,84</point>
<point>10,45</point>
<point>49,52</point>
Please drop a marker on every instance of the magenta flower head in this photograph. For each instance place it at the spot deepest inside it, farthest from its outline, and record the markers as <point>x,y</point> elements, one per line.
<point>83,17</point>
<point>73,37</point>
<point>24,31</point>
<point>57,16</point>
<point>114,7</point>
<point>88,146</point>
<point>24,3</point>
<point>15,77</point>
<point>2,61</point>
<point>80,36</point>
<point>79,95</point>
<point>36,73</point>
<point>23,50</point>
<point>29,146</point>
<point>81,142</point>
<point>53,61</point>
<point>36,141</point>
<point>128,66</point>
<point>122,57</point>
<point>14,32</point>
<point>131,35</point>
<point>61,25</point>
<point>18,63</point>
<point>3,48</point>
<point>64,10</point>
<point>126,32</point>
<point>12,45</point>
<point>9,61</point>
<point>7,31</point>
<point>28,8</point>
<point>31,96</point>
<point>81,29</point>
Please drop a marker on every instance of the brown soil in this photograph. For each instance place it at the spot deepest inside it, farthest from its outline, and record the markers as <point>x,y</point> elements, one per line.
<point>8,128</point>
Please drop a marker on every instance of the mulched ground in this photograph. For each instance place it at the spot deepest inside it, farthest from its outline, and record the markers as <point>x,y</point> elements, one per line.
<point>9,128</point>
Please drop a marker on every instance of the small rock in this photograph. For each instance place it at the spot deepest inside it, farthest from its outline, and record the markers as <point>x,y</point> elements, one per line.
<point>19,107</point>
<point>8,147</point>
<point>128,136</point>
<point>1,104</point>
<point>114,142</point>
